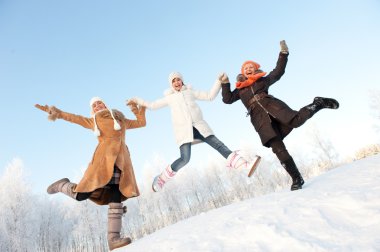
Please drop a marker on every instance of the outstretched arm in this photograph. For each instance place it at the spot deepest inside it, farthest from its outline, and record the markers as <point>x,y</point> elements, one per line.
<point>279,70</point>
<point>210,95</point>
<point>140,116</point>
<point>228,96</point>
<point>55,113</point>
<point>160,103</point>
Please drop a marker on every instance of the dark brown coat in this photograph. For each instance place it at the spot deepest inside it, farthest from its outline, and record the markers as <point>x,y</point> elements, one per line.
<point>270,116</point>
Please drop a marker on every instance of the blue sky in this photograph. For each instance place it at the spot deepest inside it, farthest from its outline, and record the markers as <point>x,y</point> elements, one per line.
<point>63,53</point>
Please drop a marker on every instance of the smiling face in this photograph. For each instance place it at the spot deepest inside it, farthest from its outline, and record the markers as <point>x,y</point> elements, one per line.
<point>177,84</point>
<point>249,70</point>
<point>98,106</point>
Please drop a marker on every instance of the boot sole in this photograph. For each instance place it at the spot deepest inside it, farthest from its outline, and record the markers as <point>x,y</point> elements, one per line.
<point>299,186</point>
<point>122,245</point>
<point>334,104</point>
<point>254,166</point>
<point>296,188</point>
<point>153,189</point>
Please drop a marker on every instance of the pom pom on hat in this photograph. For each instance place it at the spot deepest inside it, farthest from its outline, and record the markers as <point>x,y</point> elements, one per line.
<point>116,125</point>
<point>174,75</point>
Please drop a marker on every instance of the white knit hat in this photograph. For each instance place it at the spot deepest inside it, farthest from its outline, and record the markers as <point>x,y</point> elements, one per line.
<point>116,125</point>
<point>174,75</point>
<point>95,99</point>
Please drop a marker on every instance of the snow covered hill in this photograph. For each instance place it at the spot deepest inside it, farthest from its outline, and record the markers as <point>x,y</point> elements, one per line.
<point>337,211</point>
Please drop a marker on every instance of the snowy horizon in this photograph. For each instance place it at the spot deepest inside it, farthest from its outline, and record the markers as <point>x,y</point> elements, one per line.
<point>336,211</point>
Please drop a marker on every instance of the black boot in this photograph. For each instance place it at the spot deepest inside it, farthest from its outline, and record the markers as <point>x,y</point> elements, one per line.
<point>292,169</point>
<point>321,103</point>
<point>297,183</point>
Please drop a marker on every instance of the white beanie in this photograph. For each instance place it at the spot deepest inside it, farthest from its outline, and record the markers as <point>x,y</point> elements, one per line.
<point>116,125</point>
<point>174,75</point>
<point>95,99</point>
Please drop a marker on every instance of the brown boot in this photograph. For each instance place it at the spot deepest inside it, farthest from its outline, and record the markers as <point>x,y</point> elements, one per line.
<point>115,213</point>
<point>64,186</point>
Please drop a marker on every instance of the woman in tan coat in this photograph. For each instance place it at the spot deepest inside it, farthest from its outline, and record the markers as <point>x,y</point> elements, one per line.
<point>109,178</point>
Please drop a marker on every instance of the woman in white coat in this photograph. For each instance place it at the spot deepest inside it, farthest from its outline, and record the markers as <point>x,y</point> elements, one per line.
<point>190,127</point>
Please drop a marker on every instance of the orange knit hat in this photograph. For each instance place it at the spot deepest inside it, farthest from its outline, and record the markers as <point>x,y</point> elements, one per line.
<point>256,65</point>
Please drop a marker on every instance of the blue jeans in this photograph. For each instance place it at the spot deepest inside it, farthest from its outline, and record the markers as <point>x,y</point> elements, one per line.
<point>185,149</point>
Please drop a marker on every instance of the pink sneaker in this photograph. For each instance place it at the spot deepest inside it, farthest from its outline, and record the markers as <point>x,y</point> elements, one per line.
<point>160,180</point>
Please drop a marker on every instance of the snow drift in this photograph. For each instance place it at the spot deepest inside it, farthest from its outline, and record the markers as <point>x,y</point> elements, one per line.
<point>337,211</point>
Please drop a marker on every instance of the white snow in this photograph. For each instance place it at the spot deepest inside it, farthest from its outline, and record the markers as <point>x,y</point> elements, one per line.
<point>337,211</point>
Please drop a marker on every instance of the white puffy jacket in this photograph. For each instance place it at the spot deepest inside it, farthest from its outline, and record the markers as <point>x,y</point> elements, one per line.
<point>186,113</point>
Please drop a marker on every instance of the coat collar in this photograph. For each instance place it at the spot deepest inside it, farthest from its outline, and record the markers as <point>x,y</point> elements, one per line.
<point>106,114</point>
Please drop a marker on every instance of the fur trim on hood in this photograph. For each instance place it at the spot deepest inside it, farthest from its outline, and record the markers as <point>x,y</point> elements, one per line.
<point>116,113</point>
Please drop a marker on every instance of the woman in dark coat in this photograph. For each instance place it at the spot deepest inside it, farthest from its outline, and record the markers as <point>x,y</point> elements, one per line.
<point>272,118</point>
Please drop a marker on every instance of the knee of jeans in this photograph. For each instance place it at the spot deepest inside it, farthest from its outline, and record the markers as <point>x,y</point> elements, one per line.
<point>179,164</point>
<point>185,155</point>
<point>185,159</point>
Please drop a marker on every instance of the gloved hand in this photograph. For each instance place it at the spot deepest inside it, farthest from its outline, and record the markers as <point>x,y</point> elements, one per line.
<point>284,47</point>
<point>51,110</point>
<point>131,102</point>
<point>223,78</point>
<point>135,100</point>
<point>132,106</point>
<point>43,108</point>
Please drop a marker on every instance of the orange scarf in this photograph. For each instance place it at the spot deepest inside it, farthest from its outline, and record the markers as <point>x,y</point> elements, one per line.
<point>248,82</point>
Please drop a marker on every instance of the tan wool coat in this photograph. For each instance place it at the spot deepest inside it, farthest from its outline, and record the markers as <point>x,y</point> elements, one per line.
<point>111,150</point>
